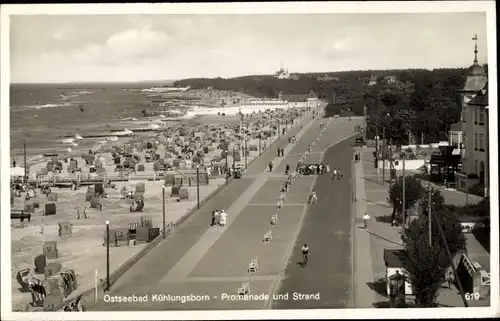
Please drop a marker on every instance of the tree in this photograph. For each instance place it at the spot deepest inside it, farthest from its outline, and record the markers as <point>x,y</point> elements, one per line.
<point>426,264</point>
<point>413,192</point>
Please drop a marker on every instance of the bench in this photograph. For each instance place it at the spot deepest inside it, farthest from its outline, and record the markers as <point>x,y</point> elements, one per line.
<point>274,219</point>
<point>244,289</point>
<point>20,215</point>
<point>253,266</point>
<point>268,236</point>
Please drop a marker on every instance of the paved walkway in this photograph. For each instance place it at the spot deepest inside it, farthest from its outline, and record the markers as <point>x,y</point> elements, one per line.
<point>199,260</point>
<point>176,257</point>
<point>371,196</point>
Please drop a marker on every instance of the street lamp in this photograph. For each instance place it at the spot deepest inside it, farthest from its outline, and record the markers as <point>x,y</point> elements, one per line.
<point>198,185</point>
<point>260,150</point>
<point>246,152</point>
<point>227,165</point>
<point>430,191</point>
<point>107,256</point>
<point>404,190</point>
<point>279,133</point>
<point>25,165</point>
<point>384,149</point>
<point>234,154</point>
<point>163,194</point>
<point>365,112</point>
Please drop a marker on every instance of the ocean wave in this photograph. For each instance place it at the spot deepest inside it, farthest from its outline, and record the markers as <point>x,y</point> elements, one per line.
<point>49,106</point>
<point>82,92</point>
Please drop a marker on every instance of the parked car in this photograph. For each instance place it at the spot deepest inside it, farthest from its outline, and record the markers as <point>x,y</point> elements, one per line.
<point>359,141</point>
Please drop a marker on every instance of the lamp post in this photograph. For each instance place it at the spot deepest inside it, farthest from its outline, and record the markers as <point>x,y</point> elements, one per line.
<point>365,112</point>
<point>246,152</point>
<point>234,154</point>
<point>429,189</point>
<point>227,165</point>
<point>25,163</point>
<point>260,150</point>
<point>384,149</point>
<point>404,191</point>
<point>163,201</point>
<point>198,186</point>
<point>279,132</point>
<point>107,256</point>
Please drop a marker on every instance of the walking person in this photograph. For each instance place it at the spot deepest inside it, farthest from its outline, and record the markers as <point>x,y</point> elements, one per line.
<point>14,162</point>
<point>287,169</point>
<point>366,217</point>
<point>313,199</point>
<point>270,166</point>
<point>216,217</point>
<point>222,218</point>
<point>305,254</point>
<point>213,218</point>
<point>450,278</point>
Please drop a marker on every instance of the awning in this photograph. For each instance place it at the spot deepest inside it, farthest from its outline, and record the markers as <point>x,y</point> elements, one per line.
<point>17,171</point>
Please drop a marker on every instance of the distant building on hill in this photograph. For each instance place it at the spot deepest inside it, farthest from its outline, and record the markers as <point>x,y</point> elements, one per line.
<point>282,73</point>
<point>390,79</point>
<point>326,78</point>
<point>372,81</point>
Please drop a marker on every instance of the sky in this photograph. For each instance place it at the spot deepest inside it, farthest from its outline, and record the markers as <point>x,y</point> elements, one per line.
<point>116,48</point>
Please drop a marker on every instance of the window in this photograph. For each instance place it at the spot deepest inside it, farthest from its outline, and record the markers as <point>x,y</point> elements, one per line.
<point>476,141</point>
<point>481,116</point>
<point>481,142</point>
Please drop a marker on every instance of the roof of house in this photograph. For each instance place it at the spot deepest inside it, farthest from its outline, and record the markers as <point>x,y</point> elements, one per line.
<point>299,97</point>
<point>394,258</point>
<point>457,127</point>
<point>480,99</point>
<point>475,83</point>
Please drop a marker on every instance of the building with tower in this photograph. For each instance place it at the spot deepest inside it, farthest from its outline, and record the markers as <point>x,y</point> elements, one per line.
<point>282,73</point>
<point>474,172</point>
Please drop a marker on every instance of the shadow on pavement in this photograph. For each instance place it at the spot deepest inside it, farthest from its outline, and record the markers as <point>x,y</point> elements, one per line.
<point>382,238</point>
<point>377,203</point>
<point>483,237</point>
<point>384,219</point>
<point>379,286</point>
<point>372,180</point>
<point>381,305</point>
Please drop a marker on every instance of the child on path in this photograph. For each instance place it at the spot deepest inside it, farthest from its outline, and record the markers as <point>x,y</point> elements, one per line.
<point>366,217</point>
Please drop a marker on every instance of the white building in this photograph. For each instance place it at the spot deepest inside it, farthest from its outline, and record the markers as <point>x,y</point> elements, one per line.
<point>282,73</point>
<point>475,160</point>
<point>301,100</point>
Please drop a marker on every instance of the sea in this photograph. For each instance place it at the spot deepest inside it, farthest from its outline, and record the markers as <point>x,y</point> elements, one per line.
<point>42,115</point>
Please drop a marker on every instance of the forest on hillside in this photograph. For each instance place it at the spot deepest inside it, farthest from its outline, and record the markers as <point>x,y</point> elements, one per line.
<point>419,102</point>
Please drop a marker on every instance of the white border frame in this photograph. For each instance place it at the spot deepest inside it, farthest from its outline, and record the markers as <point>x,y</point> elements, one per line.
<point>246,8</point>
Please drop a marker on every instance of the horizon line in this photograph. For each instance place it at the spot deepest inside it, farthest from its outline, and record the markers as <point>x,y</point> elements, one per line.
<point>219,77</point>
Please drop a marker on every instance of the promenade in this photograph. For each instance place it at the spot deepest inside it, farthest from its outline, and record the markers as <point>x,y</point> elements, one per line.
<point>206,261</point>
<point>371,197</point>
